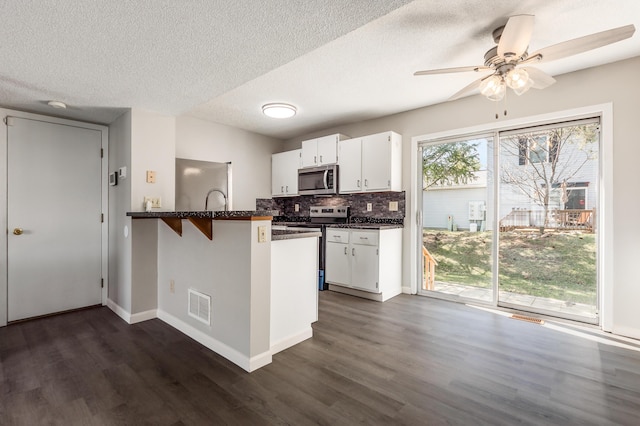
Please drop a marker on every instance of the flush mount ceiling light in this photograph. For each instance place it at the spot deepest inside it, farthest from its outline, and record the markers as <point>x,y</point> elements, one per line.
<point>279,110</point>
<point>57,104</point>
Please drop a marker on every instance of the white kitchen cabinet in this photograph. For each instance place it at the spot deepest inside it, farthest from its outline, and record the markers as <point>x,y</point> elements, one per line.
<point>337,255</point>
<point>364,263</point>
<point>321,151</point>
<point>284,173</point>
<point>350,166</point>
<point>371,163</point>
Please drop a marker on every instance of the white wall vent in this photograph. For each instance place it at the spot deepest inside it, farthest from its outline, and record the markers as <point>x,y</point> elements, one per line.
<point>200,306</point>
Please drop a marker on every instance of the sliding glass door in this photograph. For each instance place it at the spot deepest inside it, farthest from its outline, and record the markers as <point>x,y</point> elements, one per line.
<point>548,204</point>
<point>509,219</point>
<point>456,235</point>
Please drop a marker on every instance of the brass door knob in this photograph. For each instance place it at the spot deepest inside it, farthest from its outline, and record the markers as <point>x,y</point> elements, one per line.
<point>17,231</point>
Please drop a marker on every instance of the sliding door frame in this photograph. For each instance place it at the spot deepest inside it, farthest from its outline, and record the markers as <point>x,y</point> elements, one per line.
<point>605,189</point>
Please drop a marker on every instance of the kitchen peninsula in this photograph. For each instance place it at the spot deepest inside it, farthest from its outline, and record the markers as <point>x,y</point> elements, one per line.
<point>223,279</point>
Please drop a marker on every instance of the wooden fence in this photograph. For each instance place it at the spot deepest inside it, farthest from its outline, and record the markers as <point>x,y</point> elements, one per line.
<point>574,219</point>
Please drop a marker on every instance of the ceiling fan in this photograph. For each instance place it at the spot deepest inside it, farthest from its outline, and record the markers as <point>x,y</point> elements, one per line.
<point>509,61</point>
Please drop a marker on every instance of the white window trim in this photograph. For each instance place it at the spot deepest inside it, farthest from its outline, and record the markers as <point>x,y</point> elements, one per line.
<point>605,189</point>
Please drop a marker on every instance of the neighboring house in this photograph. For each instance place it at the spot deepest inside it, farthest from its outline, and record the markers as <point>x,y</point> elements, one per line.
<point>522,162</point>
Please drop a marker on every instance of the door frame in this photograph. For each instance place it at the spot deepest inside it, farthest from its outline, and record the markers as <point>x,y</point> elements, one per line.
<point>104,130</point>
<point>605,189</point>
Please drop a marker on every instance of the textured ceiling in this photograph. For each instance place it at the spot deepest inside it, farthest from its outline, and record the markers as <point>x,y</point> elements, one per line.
<point>337,61</point>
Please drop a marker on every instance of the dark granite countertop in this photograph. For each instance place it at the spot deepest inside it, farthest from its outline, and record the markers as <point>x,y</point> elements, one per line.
<point>357,225</point>
<point>379,226</point>
<point>203,214</point>
<point>288,234</point>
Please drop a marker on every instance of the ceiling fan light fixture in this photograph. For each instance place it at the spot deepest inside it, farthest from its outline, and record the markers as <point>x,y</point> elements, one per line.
<point>279,110</point>
<point>493,87</point>
<point>517,78</point>
<point>520,90</point>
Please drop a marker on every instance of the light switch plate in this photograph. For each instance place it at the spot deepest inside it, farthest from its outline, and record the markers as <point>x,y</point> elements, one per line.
<point>122,172</point>
<point>296,207</point>
<point>393,206</point>
<point>369,207</point>
<point>262,234</point>
<point>151,176</point>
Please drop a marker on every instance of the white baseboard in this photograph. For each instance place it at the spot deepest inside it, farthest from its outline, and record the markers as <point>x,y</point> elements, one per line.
<point>144,316</point>
<point>407,290</point>
<point>127,316</point>
<point>119,311</point>
<point>247,363</point>
<point>378,297</point>
<point>289,341</point>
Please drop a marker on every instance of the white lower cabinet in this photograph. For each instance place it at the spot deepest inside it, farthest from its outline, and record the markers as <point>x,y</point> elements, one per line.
<point>365,261</point>
<point>337,260</point>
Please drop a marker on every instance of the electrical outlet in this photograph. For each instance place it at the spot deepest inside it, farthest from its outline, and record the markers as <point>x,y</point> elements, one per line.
<point>296,207</point>
<point>156,202</point>
<point>151,176</point>
<point>172,286</point>
<point>262,234</point>
<point>369,207</point>
<point>393,206</point>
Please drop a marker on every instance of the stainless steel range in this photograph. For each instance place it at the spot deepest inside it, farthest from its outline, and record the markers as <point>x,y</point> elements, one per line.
<point>319,218</point>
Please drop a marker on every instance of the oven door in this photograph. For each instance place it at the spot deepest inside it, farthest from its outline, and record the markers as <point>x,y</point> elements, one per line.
<point>318,180</point>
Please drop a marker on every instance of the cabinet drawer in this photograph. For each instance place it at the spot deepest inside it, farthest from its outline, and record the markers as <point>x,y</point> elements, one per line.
<point>337,236</point>
<point>366,238</point>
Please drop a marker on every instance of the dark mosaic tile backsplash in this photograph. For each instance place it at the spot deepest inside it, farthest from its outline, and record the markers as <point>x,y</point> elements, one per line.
<point>358,202</point>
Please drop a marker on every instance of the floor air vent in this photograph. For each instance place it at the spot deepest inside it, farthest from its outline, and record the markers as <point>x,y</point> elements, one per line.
<point>200,306</point>
<point>527,319</point>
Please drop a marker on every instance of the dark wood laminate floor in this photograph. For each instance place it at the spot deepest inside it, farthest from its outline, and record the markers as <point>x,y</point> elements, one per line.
<point>410,360</point>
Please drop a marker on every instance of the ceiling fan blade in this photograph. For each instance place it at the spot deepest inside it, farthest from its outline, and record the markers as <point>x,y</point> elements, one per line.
<point>452,70</point>
<point>583,44</point>
<point>516,36</point>
<point>467,90</point>
<point>540,78</point>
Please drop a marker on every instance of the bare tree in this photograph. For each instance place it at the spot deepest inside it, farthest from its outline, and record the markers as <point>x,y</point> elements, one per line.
<point>547,160</point>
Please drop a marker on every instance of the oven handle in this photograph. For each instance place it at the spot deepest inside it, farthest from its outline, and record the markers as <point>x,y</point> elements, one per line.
<point>326,176</point>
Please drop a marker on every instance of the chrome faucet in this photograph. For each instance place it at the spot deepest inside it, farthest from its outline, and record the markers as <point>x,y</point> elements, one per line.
<point>206,200</point>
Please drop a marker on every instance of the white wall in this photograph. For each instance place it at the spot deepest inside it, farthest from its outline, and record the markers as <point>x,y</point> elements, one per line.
<point>614,83</point>
<point>120,203</point>
<point>152,148</point>
<point>249,153</point>
<point>234,269</point>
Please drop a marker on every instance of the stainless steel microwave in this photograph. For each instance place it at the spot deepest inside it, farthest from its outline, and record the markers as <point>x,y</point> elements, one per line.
<point>318,180</point>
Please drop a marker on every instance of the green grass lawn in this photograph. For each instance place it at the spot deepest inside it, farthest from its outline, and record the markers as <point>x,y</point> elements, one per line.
<point>558,265</point>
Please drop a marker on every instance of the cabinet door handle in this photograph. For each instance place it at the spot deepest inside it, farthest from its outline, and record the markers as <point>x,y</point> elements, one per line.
<point>358,183</point>
<point>366,182</point>
<point>321,159</point>
<point>287,189</point>
<point>282,189</point>
<point>315,160</point>
<point>345,250</point>
<point>353,251</point>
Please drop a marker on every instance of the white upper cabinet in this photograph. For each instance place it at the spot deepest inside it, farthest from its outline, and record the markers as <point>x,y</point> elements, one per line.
<point>284,173</point>
<point>371,163</point>
<point>321,151</point>
<point>350,166</point>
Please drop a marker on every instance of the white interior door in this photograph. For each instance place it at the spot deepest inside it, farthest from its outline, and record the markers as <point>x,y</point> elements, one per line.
<point>53,217</point>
